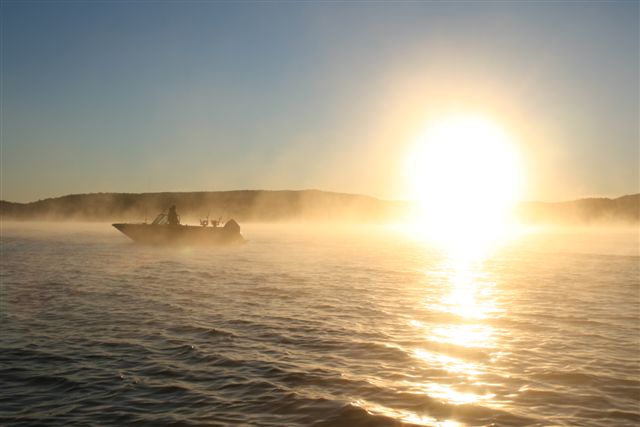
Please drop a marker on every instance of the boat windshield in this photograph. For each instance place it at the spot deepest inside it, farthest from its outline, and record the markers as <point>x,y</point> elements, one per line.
<point>161,219</point>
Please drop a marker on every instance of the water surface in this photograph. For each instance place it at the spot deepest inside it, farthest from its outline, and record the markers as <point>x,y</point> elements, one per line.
<point>317,326</point>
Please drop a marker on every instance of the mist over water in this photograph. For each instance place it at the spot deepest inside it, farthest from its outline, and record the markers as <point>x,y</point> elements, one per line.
<point>317,326</point>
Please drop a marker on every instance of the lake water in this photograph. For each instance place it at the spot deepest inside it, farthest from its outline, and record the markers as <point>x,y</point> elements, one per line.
<point>317,326</point>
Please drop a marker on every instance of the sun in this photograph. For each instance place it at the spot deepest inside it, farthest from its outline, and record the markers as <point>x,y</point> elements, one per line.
<point>466,176</point>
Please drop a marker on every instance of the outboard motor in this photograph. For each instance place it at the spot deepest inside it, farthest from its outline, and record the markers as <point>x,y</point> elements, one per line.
<point>232,226</point>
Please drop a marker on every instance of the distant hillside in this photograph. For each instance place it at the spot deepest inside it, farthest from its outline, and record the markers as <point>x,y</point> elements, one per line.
<point>241,205</point>
<point>623,210</point>
<point>307,205</point>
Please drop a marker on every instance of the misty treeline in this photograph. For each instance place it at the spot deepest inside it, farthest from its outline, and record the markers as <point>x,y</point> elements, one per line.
<point>621,210</point>
<point>247,205</point>
<point>306,205</point>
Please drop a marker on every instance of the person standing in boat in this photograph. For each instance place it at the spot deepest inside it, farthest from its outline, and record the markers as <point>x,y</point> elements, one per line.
<point>173,216</point>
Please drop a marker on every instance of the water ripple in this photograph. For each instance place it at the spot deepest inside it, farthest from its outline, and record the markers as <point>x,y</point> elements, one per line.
<point>312,329</point>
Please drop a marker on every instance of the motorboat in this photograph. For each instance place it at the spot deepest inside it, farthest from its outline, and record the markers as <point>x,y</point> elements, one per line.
<point>167,230</point>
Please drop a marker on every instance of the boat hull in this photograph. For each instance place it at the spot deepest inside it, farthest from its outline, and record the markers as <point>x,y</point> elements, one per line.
<point>154,234</point>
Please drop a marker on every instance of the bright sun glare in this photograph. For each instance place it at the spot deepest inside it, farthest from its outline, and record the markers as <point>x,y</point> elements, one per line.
<point>466,176</point>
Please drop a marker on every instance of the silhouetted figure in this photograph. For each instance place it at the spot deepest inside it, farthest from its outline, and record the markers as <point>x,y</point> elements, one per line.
<point>173,216</point>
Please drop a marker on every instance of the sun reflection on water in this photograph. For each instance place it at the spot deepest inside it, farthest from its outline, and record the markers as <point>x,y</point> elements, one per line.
<point>456,348</point>
<point>404,415</point>
<point>448,394</point>
<point>467,299</point>
<point>469,296</point>
<point>448,363</point>
<point>478,336</point>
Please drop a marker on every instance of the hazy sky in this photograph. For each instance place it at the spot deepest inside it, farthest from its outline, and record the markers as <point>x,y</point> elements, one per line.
<point>170,96</point>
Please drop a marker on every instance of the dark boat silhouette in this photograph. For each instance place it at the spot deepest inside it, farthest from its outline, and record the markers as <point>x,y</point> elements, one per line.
<point>167,230</point>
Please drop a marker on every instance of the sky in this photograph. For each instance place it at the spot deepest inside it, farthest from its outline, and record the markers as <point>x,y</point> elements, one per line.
<point>146,96</point>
